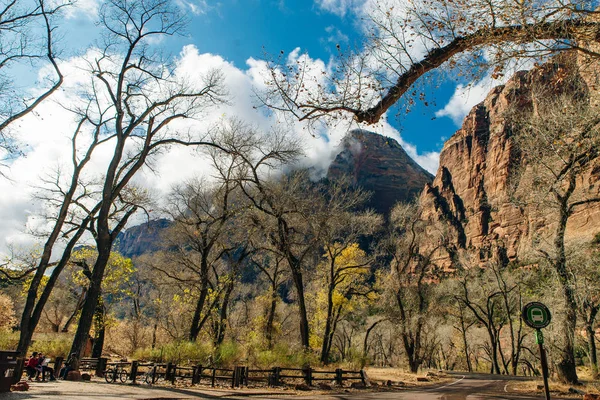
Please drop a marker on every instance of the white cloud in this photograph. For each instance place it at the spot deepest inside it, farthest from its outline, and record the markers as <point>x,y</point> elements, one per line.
<point>335,35</point>
<point>464,99</point>
<point>467,96</point>
<point>196,7</point>
<point>85,8</point>
<point>47,135</point>
<point>340,7</point>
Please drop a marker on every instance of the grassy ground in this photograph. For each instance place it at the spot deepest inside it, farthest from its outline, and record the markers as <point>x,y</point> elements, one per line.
<point>557,388</point>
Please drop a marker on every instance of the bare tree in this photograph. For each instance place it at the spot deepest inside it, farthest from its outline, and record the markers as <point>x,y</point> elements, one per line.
<point>346,267</point>
<point>23,43</point>
<point>582,262</point>
<point>271,267</point>
<point>557,130</point>
<point>281,206</point>
<point>493,296</point>
<point>201,213</point>
<point>411,39</point>
<point>141,98</point>
<point>413,275</point>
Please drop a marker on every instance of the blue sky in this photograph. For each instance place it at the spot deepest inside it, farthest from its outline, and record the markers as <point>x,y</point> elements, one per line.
<point>240,29</point>
<point>232,36</point>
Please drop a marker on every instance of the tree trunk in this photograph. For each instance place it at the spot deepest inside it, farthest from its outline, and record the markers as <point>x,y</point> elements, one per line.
<point>567,372</point>
<point>299,284</point>
<point>223,315</point>
<point>327,334</point>
<point>89,307</point>
<point>32,311</point>
<point>271,317</point>
<point>196,322</point>
<point>463,331</point>
<point>592,351</point>
<point>154,329</point>
<point>80,302</point>
<point>100,330</point>
<point>494,352</point>
<point>366,341</point>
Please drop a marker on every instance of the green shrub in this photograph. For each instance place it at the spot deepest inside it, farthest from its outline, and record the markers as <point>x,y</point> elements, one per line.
<point>181,352</point>
<point>282,355</point>
<point>52,345</point>
<point>228,354</point>
<point>8,340</point>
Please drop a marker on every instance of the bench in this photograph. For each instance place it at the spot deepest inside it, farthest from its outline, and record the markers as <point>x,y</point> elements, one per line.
<point>98,365</point>
<point>8,364</point>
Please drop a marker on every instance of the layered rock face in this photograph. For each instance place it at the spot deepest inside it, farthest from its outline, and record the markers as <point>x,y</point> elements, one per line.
<point>480,167</point>
<point>142,239</point>
<point>380,165</point>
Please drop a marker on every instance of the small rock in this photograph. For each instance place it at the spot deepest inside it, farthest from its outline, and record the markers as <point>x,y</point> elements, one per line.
<point>431,375</point>
<point>576,391</point>
<point>358,385</point>
<point>86,377</point>
<point>74,376</point>
<point>324,386</point>
<point>389,383</point>
<point>540,387</point>
<point>422,379</point>
<point>373,383</point>
<point>399,383</point>
<point>591,396</point>
<point>302,386</point>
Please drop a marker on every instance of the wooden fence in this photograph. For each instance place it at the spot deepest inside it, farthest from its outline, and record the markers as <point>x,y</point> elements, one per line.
<point>236,377</point>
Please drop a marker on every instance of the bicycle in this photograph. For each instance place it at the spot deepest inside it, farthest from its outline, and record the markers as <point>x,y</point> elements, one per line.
<point>153,376</point>
<point>117,372</point>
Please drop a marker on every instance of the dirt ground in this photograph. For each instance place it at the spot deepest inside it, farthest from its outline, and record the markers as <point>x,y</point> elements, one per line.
<point>66,390</point>
<point>98,389</point>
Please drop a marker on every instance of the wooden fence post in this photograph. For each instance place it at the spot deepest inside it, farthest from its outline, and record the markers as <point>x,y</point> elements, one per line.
<point>173,373</point>
<point>194,372</point>
<point>214,373</point>
<point>308,375</point>
<point>168,372</point>
<point>234,376</point>
<point>364,378</point>
<point>339,380</point>
<point>134,371</point>
<point>154,373</point>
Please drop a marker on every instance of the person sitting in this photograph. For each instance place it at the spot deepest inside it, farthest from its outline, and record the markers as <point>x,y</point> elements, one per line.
<point>44,368</point>
<point>31,365</point>
<point>70,365</point>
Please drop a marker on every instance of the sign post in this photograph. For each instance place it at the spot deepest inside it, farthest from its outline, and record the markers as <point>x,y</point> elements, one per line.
<point>537,316</point>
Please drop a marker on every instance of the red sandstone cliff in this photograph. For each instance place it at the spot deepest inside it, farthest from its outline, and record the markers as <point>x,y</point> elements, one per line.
<point>471,190</point>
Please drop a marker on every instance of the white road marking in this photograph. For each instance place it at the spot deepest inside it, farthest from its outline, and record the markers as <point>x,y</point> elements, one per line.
<point>450,384</point>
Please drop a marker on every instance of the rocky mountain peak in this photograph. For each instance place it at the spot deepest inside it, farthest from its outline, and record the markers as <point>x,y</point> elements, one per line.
<point>380,165</point>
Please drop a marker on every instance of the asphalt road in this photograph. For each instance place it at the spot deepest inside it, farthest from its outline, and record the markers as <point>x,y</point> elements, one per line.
<point>463,387</point>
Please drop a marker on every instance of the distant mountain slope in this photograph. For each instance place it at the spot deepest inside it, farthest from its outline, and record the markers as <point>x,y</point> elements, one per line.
<point>374,162</point>
<point>141,239</point>
<point>380,165</point>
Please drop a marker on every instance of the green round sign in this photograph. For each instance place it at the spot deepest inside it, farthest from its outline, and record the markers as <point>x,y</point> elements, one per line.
<point>536,315</point>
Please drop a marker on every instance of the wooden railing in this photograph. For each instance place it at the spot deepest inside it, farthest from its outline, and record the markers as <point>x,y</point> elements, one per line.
<point>237,376</point>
